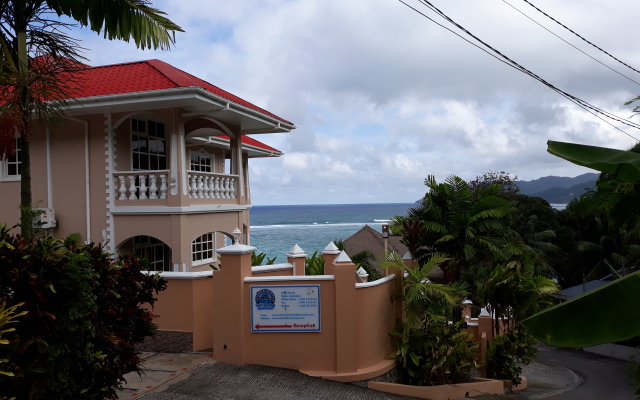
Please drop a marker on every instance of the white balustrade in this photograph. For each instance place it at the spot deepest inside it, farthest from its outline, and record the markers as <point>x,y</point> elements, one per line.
<point>204,185</point>
<point>134,185</point>
<point>141,186</point>
<point>153,187</point>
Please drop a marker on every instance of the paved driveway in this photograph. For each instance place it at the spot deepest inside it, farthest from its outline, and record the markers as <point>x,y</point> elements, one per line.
<point>220,381</point>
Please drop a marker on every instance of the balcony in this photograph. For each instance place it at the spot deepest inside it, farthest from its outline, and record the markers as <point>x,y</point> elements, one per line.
<point>154,189</point>
<point>208,185</point>
<point>141,185</point>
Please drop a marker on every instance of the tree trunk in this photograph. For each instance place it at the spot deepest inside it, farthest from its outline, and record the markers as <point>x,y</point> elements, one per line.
<point>26,214</point>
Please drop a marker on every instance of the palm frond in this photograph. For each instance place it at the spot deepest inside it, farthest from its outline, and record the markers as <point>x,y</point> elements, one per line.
<point>123,20</point>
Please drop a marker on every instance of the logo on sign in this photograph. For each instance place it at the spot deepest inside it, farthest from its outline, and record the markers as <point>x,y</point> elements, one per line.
<point>265,300</point>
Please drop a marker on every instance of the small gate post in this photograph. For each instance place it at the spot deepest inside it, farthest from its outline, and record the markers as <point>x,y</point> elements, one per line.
<point>296,257</point>
<point>330,253</point>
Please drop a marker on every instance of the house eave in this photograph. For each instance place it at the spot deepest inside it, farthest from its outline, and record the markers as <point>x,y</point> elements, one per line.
<point>195,100</point>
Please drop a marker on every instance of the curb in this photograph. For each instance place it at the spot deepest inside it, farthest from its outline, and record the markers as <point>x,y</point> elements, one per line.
<point>577,381</point>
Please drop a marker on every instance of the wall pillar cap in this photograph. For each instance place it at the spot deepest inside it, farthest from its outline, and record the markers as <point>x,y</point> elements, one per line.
<point>407,256</point>
<point>296,252</point>
<point>484,312</point>
<point>237,249</point>
<point>343,258</point>
<point>331,249</point>
<point>362,272</point>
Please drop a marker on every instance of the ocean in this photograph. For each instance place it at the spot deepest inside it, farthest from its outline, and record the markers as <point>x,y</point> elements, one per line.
<point>276,229</point>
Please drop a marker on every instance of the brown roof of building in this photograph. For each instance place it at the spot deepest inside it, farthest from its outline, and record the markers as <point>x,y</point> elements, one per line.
<point>370,239</point>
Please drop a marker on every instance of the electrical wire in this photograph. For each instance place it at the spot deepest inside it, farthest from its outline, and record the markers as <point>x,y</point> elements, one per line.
<point>598,112</point>
<point>575,33</point>
<point>572,45</point>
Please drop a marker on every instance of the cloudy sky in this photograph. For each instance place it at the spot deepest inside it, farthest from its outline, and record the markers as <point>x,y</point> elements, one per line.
<point>383,97</point>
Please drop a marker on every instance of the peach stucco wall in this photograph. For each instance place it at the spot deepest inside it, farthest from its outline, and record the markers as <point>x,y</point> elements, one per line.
<point>296,350</point>
<point>376,318</point>
<point>9,201</point>
<point>68,157</point>
<point>177,230</point>
<point>355,322</point>
<point>186,306</point>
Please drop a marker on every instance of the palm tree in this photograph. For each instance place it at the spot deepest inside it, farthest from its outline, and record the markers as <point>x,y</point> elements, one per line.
<point>420,297</point>
<point>513,292</point>
<point>37,57</point>
<point>465,225</point>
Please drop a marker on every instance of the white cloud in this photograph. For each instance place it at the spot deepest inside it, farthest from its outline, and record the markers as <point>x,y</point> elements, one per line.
<point>382,97</point>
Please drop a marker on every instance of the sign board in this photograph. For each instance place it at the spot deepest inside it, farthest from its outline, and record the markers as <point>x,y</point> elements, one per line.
<point>285,308</point>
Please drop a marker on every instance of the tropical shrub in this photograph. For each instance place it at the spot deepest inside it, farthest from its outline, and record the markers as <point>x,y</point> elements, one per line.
<point>314,265</point>
<point>513,292</point>
<point>438,353</point>
<point>85,315</point>
<point>258,259</point>
<point>506,352</point>
<point>430,350</point>
<point>468,226</point>
<point>8,316</point>
<point>365,260</point>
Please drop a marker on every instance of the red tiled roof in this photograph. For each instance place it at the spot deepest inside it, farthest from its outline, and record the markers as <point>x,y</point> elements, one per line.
<point>142,76</point>
<point>252,142</point>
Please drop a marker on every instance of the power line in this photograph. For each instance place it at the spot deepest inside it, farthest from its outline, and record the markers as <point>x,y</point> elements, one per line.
<point>572,45</point>
<point>598,112</point>
<point>575,33</point>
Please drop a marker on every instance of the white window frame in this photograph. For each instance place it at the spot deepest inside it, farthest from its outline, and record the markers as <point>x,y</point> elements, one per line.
<point>14,159</point>
<point>202,153</point>
<point>207,243</point>
<point>145,134</point>
<point>153,243</point>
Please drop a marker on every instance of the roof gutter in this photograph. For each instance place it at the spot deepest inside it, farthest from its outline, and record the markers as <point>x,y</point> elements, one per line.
<point>183,93</point>
<point>245,146</point>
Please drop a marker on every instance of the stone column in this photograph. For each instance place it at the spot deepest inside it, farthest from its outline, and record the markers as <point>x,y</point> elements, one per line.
<point>346,309</point>
<point>231,307</point>
<point>362,274</point>
<point>296,257</point>
<point>407,260</point>
<point>485,324</point>
<point>330,253</point>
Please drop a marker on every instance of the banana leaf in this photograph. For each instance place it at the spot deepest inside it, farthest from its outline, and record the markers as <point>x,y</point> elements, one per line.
<point>606,314</point>
<point>624,165</point>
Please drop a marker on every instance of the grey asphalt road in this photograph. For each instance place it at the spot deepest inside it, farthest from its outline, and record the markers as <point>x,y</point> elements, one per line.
<point>599,377</point>
<point>556,374</point>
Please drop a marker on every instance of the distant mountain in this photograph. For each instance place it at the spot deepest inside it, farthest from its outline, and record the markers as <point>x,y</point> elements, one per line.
<point>558,189</point>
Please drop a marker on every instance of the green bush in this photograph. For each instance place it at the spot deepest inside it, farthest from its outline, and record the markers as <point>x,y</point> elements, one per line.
<point>85,314</point>
<point>258,259</point>
<point>314,265</point>
<point>440,353</point>
<point>507,351</point>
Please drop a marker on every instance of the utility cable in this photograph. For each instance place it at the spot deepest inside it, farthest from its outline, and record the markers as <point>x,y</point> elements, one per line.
<point>572,45</point>
<point>570,30</point>
<point>503,58</point>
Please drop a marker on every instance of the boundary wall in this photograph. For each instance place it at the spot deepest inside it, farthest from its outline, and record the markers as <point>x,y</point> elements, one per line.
<point>211,311</point>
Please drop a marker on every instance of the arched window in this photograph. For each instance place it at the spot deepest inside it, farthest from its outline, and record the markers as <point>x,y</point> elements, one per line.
<point>154,251</point>
<point>203,249</point>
